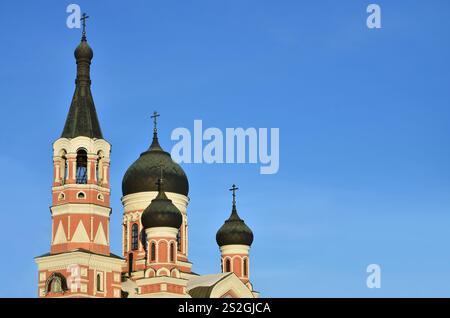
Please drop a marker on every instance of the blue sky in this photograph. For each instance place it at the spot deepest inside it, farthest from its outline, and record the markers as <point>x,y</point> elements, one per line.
<point>363,114</point>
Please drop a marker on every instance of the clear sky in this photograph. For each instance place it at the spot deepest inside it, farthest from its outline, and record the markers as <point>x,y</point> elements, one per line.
<point>364,118</point>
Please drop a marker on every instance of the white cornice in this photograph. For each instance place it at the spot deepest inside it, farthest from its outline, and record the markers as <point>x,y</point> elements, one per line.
<point>76,208</point>
<point>141,200</point>
<point>81,187</point>
<point>161,280</point>
<point>63,260</point>
<point>234,249</point>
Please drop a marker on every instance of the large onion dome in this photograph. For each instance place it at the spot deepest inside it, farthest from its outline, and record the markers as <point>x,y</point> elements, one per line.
<point>143,174</point>
<point>161,212</point>
<point>234,230</point>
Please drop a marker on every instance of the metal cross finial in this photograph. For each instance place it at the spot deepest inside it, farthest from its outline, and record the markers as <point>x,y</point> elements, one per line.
<point>160,181</point>
<point>233,189</point>
<point>155,116</point>
<point>83,21</point>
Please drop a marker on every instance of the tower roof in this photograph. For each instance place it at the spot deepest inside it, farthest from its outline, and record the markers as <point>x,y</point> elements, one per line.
<point>234,230</point>
<point>143,174</point>
<point>82,119</point>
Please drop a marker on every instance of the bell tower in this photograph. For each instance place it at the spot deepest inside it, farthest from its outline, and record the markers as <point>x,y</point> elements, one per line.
<point>80,263</point>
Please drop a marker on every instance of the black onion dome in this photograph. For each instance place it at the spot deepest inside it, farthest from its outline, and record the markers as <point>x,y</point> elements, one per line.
<point>83,50</point>
<point>234,231</point>
<point>143,174</point>
<point>161,213</point>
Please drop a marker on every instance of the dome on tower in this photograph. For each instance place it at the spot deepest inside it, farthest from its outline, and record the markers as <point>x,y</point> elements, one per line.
<point>83,50</point>
<point>144,173</point>
<point>234,230</point>
<point>161,212</point>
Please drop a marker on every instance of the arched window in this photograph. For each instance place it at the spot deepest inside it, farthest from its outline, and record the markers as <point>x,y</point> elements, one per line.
<point>172,252</point>
<point>134,237</point>
<point>227,265</point>
<point>179,239</point>
<point>153,252</point>
<point>245,267</point>
<point>81,166</point>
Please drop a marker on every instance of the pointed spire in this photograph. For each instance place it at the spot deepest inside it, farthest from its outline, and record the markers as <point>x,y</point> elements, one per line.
<point>155,143</point>
<point>82,119</point>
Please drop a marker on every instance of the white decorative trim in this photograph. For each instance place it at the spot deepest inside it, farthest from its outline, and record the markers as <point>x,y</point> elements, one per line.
<point>92,146</point>
<point>60,235</point>
<point>166,232</point>
<point>161,280</point>
<point>80,235</point>
<point>62,261</point>
<point>80,208</point>
<point>139,201</point>
<point>234,249</point>
<point>100,237</point>
<point>85,187</point>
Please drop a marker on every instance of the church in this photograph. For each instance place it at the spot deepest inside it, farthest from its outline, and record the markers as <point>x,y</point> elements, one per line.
<point>155,260</point>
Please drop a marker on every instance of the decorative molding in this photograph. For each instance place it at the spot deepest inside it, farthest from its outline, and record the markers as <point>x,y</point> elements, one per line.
<point>60,235</point>
<point>100,237</point>
<point>80,208</point>
<point>80,235</point>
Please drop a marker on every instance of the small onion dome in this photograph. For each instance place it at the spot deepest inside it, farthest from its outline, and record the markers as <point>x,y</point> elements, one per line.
<point>234,230</point>
<point>143,174</point>
<point>83,50</point>
<point>161,212</point>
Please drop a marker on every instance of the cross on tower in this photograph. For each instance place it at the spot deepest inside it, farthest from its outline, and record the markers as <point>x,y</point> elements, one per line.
<point>155,117</point>
<point>83,21</point>
<point>233,189</point>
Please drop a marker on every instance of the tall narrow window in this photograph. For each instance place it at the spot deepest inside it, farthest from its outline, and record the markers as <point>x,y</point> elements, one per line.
<point>99,282</point>
<point>130,263</point>
<point>63,167</point>
<point>153,252</point>
<point>99,167</point>
<point>66,170</point>
<point>144,240</point>
<point>179,239</point>
<point>172,252</point>
<point>81,167</point>
<point>227,265</point>
<point>134,237</point>
<point>245,267</point>
<point>125,237</point>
